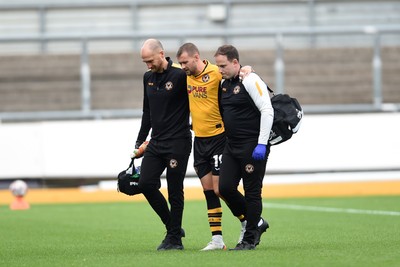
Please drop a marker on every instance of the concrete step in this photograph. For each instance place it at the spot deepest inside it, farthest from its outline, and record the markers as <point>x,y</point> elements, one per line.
<point>32,96</point>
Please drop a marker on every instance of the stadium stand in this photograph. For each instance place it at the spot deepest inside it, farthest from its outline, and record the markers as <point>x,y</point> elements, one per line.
<point>41,48</point>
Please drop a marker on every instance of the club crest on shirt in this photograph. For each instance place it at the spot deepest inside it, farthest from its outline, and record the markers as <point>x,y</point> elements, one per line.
<point>224,89</point>
<point>173,163</point>
<point>236,90</point>
<point>169,85</point>
<point>205,78</point>
<point>249,168</point>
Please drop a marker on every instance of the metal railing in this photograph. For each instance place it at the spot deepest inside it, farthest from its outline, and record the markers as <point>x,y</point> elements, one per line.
<point>133,6</point>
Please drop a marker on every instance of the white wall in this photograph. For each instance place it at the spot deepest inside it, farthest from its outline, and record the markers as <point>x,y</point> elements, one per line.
<point>100,149</point>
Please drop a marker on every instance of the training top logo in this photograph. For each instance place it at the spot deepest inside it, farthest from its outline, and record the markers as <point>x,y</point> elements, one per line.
<point>236,90</point>
<point>169,85</point>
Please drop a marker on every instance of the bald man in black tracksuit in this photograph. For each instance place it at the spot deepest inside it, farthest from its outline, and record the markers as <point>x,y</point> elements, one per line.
<point>166,113</point>
<point>248,115</point>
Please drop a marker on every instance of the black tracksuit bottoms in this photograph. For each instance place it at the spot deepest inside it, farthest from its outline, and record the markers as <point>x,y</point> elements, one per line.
<point>237,164</point>
<point>172,156</point>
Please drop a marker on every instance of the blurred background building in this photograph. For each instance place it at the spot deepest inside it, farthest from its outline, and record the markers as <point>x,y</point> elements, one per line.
<point>73,60</point>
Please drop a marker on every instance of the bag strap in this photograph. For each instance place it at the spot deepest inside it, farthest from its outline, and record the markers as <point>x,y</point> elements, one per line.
<point>270,90</point>
<point>131,163</point>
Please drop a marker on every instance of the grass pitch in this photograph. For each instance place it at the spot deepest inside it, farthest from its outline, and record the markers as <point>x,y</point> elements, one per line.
<point>347,231</point>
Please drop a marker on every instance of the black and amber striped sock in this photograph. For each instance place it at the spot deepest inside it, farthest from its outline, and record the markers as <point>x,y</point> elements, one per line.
<point>214,212</point>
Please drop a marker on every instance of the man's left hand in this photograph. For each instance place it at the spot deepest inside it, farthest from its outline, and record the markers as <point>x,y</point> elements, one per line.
<point>245,71</point>
<point>259,152</point>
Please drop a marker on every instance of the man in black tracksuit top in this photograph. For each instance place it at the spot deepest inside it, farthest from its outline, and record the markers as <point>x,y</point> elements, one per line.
<point>248,116</point>
<point>166,113</point>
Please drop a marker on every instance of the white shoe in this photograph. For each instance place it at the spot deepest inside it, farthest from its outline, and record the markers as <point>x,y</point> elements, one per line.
<point>215,244</point>
<point>242,231</point>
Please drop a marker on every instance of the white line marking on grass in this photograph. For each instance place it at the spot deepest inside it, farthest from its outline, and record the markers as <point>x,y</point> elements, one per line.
<point>328,209</point>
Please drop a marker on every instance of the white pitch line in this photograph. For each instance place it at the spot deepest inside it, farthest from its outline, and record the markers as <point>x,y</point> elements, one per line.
<point>327,209</point>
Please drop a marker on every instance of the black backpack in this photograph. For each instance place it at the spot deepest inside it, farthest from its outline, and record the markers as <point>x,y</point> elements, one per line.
<point>287,117</point>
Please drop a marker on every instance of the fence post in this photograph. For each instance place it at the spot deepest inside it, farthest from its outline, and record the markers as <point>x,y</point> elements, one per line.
<point>134,21</point>
<point>377,72</point>
<point>227,22</point>
<point>42,28</point>
<point>279,66</point>
<point>85,78</point>
<point>311,21</point>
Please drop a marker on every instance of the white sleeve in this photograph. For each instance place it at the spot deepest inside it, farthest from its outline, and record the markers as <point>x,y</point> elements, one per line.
<point>258,92</point>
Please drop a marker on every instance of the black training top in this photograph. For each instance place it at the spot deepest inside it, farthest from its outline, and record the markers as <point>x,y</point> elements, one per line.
<point>165,104</point>
<point>241,119</point>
